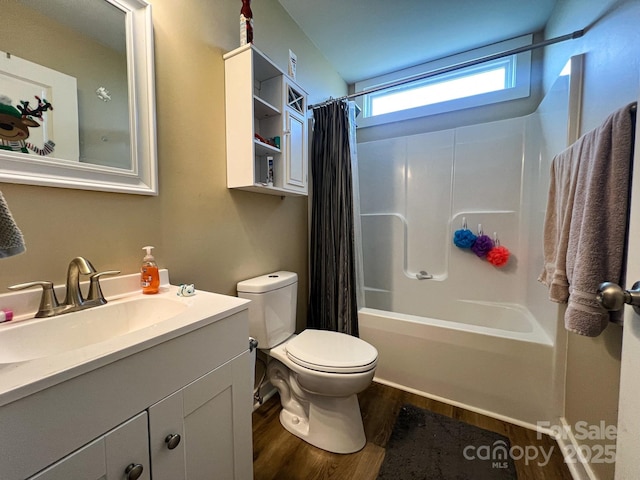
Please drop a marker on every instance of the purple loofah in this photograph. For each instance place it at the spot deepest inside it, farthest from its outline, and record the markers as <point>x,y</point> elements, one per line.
<point>482,245</point>
<point>464,238</point>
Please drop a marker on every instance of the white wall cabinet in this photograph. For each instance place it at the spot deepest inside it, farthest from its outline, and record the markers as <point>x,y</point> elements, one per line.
<point>265,117</point>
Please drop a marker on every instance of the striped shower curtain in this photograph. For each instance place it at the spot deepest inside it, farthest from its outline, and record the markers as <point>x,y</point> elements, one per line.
<point>332,304</point>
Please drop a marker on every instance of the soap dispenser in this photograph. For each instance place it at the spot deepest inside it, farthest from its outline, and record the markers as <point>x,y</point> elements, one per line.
<point>149,276</point>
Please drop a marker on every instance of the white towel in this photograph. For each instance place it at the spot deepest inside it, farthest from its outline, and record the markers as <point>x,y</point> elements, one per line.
<point>586,221</point>
<point>11,240</point>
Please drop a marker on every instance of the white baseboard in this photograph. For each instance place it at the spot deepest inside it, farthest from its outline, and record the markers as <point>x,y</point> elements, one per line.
<point>580,469</point>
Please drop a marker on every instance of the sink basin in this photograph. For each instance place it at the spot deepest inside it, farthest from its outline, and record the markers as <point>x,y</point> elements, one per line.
<point>38,338</point>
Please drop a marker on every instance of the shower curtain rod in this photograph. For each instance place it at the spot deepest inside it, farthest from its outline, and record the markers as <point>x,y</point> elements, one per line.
<point>452,68</point>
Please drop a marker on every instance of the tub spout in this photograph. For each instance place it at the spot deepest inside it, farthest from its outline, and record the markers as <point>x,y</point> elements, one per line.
<point>422,275</point>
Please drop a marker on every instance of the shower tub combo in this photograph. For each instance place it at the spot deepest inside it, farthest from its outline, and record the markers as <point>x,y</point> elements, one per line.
<point>493,359</point>
<point>468,333</point>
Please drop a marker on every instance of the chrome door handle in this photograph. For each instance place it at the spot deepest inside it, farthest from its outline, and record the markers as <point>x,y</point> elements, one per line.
<point>612,297</point>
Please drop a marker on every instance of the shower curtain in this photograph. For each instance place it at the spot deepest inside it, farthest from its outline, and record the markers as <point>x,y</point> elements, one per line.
<point>333,288</point>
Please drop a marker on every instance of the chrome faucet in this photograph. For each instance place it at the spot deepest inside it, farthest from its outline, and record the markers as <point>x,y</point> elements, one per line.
<point>77,266</point>
<point>74,301</point>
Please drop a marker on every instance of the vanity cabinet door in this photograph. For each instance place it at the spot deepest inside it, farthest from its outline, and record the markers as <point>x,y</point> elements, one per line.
<point>123,453</point>
<point>212,415</point>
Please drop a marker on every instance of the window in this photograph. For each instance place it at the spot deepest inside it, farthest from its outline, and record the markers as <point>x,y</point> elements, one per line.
<point>489,82</point>
<point>492,77</point>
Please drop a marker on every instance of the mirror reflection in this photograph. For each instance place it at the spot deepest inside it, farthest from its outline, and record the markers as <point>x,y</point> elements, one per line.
<point>66,61</point>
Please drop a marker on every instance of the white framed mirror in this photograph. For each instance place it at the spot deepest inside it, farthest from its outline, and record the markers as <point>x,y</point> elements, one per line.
<point>91,62</point>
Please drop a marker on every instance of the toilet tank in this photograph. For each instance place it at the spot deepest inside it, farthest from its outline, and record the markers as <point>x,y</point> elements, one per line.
<point>272,311</point>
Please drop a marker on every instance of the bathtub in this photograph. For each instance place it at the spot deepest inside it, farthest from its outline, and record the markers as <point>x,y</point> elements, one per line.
<point>490,358</point>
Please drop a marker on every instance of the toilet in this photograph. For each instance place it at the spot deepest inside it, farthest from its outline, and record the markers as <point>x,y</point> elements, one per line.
<point>317,373</point>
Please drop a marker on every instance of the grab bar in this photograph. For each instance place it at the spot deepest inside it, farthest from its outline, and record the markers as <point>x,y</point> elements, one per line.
<point>422,275</point>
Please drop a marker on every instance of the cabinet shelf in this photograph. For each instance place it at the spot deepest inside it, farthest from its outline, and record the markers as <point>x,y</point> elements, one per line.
<point>263,109</point>
<point>266,189</point>
<point>264,148</point>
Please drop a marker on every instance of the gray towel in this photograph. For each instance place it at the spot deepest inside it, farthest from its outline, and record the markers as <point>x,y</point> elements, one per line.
<point>586,221</point>
<point>11,240</point>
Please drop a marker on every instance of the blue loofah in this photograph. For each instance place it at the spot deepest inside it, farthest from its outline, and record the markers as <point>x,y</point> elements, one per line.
<point>464,238</point>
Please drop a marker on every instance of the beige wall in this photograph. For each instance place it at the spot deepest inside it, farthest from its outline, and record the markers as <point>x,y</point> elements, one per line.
<point>203,232</point>
<point>612,66</point>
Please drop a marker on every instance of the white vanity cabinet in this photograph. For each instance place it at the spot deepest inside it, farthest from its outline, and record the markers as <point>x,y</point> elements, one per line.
<point>202,418</point>
<point>123,453</point>
<point>121,415</point>
<point>264,104</point>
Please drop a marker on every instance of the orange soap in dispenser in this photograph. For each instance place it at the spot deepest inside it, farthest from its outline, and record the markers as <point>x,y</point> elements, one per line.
<point>149,275</point>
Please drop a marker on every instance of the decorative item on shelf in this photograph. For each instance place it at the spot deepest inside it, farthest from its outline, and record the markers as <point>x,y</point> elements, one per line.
<point>269,171</point>
<point>293,61</point>
<point>246,23</point>
<point>464,238</point>
<point>483,243</point>
<point>498,256</point>
<point>274,141</point>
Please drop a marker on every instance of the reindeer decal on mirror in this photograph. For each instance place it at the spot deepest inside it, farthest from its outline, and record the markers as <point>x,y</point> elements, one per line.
<point>15,124</point>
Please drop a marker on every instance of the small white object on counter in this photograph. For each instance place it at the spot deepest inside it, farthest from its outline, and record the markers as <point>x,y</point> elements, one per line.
<point>186,290</point>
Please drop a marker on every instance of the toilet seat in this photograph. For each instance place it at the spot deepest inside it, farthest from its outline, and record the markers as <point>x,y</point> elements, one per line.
<point>331,352</point>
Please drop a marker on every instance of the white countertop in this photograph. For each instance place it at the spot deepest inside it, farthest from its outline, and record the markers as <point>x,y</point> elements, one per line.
<point>20,379</point>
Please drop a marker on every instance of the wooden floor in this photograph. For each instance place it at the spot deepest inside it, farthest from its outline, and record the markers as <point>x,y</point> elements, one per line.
<point>279,455</point>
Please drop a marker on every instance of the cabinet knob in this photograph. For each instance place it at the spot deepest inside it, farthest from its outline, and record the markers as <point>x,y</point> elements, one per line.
<point>133,471</point>
<point>172,440</point>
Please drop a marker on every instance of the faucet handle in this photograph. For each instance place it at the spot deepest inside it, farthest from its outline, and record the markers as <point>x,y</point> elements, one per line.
<point>95,292</point>
<point>48,301</point>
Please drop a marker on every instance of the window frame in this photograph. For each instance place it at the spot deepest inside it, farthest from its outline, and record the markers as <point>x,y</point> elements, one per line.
<point>520,89</point>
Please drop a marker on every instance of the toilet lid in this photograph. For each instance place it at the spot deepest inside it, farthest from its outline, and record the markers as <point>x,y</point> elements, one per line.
<point>331,352</point>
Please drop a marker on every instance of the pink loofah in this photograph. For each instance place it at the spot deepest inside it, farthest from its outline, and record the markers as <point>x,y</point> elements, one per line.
<point>498,256</point>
